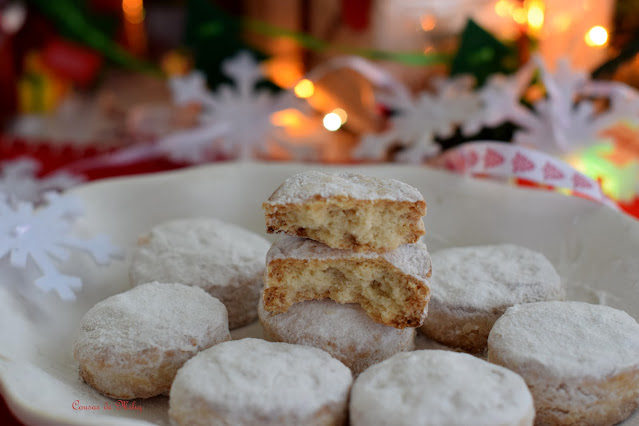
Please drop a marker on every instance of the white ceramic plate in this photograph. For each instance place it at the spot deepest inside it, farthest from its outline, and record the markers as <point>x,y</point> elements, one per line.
<point>593,247</point>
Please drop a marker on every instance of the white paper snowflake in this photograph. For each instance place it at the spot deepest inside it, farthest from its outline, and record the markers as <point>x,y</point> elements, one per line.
<point>417,121</point>
<point>43,236</point>
<point>500,101</point>
<point>562,122</point>
<point>624,100</point>
<point>236,120</point>
<point>18,180</point>
<point>188,88</point>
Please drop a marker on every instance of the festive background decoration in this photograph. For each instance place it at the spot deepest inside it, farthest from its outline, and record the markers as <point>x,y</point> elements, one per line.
<point>18,181</point>
<point>508,161</point>
<point>43,235</point>
<point>236,120</point>
<point>439,78</point>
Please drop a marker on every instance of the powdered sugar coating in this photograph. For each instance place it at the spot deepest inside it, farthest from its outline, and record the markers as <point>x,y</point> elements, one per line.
<point>492,277</point>
<point>252,381</point>
<point>433,387</point>
<point>343,330</point>
<point>225,260</point>
<point>153,315</point>
<point>567,339</point>
<point>205,252</point>
<point>131,344</point>
<point>307,185</point>
<point>411,259</point>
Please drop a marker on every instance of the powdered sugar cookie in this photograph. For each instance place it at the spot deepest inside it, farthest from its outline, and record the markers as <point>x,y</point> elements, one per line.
<point>580,361</point>
<point>473,286</point>
<point>132,344</point>
<point>225,260</point>
<point>344,331</point>
<point>439,388</point>
<point>347,211</point>
<point>251,382</point>
<point>391,287</point>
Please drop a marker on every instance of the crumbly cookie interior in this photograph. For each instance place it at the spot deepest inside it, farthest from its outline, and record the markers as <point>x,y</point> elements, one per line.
<point>385,293</point>
<point>359,225</point>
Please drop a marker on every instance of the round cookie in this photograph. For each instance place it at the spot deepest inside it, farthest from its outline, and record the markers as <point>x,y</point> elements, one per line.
<point>580,361</point>
<point>227,261</point>
<point>252,381</point>
<point>132,344</point>
<point>343,330</point>
<point>439,388</point>
<point>472,287</point>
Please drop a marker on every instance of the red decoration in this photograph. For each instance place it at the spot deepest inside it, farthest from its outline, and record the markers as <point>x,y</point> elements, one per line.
<point>632,208</point>
<point>472,158</point>
<point>551,172</point>
<point>356,14</point>
<point>492,159</point>
<point>580,182</point>
<point>521,163</point>
<point>8,82</point>
<point>72,61</point>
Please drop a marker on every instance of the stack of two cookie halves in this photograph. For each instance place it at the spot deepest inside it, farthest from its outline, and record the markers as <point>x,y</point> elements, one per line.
<point>353,240</point>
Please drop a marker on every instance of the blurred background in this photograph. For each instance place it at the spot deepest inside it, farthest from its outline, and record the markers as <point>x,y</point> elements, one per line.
<point>85,79</point>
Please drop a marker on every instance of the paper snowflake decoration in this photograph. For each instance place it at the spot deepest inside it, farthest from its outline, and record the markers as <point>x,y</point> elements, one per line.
<point>417,121</point>
<point>236,120</point>
<point>562,122</point>
<point>624,100</point>
<point>188,88</point>
<point>42,235</point>
<point>18,181</point>
<point>500,101</point>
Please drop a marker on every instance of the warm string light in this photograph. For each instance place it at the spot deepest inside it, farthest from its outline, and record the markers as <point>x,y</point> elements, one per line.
<point>531,13</point>
<point>133,11</point>
<point>535,15</point>
<point>304,89</point>
<point>334,119</point>
<point>289,117</point>
<point>427,22</point>
<point>341,114</point>
<point>520,16</point>
<point>597,36</point>
<point>504,8</point>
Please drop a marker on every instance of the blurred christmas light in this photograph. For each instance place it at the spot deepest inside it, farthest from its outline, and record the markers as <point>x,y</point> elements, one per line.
<point>283,71</point>
<point>503,8</point>
<point>332,121</point>
<point>134,30</point>
<point>133,11</point>
<point>287,118</point>
<point>535,15</point>
<point>341,114</point>
<point>304,89</point>
<point>427,22</point>
<point>596,36</point>
<point>175,63</point>
<point>520,16</point>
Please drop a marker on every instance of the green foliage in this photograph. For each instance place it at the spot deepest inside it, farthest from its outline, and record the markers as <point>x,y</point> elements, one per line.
<point>74,22</point>
<point>480,54</point>
<point>213,35</point>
